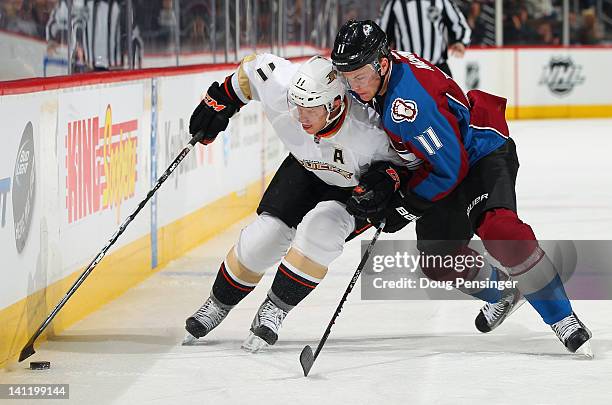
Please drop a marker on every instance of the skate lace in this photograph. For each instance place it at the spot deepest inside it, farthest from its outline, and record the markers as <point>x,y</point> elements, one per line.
<point>566,326</point>
<point>271,316</point>
<point>493,312</point>
<point>210,314</point>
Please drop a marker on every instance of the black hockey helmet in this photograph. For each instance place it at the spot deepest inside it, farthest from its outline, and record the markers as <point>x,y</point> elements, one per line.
<point>359,43</point>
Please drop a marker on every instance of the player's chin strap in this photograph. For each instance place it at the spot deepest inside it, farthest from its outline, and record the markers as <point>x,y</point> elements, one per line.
<point>332,124</point>
<point>330,109</point>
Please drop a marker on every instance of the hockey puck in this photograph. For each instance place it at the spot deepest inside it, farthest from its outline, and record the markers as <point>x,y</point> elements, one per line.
<point>40,365</point>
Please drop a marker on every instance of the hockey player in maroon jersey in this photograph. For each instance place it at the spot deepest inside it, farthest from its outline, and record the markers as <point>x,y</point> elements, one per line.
<point>465,166</point>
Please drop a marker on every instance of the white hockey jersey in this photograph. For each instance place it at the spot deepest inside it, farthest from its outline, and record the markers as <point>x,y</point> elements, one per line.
<point>338,159</point>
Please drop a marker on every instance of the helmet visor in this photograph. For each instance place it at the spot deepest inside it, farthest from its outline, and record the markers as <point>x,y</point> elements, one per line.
<point>309,117</point>
<point>363,81</point>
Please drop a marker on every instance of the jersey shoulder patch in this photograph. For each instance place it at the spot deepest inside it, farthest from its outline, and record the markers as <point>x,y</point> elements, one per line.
<point>267,64</point>
<point>404,110</point>
<point>269,67</point>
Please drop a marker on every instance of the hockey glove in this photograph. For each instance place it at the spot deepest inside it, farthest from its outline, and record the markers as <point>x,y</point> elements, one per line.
<point>212,115</point>
<point>397,215</point>
<point>376,187</point>
<point>402,209</point>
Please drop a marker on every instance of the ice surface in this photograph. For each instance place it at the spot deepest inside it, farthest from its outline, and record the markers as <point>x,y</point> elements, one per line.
<point>407,352</point>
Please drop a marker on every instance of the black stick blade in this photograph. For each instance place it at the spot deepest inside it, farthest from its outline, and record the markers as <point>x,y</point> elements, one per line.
<point>306,360</point>
<point>26,352</point>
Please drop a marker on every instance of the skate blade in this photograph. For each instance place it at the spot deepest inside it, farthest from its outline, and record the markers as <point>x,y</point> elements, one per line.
<point>189,340</point>
<point>254,344</point>
<point>586,350</point>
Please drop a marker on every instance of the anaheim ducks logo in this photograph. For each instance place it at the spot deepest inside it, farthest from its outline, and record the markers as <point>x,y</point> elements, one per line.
<point>403,110</point>
<point>331,76</point>
<point>314,165</point>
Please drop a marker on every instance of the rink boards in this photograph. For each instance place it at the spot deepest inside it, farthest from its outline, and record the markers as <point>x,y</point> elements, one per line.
<point>79,154</point>
<point>77,157</point>
<point>541,82</point>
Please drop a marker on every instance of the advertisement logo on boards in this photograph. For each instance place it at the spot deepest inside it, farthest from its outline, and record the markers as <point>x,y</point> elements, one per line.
<point>101,165</point>
<point>24,187</point>
<point>227,143</point>
<point>561,75</point>
<point>175,139</point>
<point>472,75</point>
<point>246,130</point>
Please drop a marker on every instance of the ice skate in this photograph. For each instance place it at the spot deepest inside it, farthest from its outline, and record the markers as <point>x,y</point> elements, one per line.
<point>189,339</point>
<point>204,320</point>
<point>265,327</point>
<point>492,315</point>
<point>574,335</point>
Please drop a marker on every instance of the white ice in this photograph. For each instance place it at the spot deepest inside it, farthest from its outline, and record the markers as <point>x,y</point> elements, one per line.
<point>383,352</point>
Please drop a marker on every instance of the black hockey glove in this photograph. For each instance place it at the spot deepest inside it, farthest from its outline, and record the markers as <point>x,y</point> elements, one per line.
<point>376,187</point>
<point>212,115</point>
<point>403,208</point>
<point>400,211</point>
<point>396,214</point>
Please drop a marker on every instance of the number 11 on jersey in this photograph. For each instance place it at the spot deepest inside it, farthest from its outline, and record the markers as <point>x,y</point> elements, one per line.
<point>430,141</point>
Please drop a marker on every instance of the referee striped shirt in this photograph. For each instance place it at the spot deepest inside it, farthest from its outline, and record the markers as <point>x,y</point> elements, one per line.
<point>424,27</point>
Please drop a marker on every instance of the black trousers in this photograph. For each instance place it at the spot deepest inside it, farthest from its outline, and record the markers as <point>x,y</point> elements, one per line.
<point>489,184</point>
<point>294,191</point>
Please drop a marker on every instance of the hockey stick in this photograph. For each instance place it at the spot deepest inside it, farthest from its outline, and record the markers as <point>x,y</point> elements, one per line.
<point>307,358</point>
<point>28,349</point>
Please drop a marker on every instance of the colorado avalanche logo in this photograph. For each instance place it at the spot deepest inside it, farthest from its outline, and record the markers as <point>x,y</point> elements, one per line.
<point>403,110</point>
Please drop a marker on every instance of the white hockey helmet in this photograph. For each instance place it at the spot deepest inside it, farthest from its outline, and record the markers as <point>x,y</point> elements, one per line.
<point>316,83</point>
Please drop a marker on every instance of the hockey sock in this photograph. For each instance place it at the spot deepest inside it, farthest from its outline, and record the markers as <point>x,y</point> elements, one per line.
<point>480,270</point>
<point>489,294</point>
<point>292,283</point>
<point>551,302</point>
<point>541,285</point>
<point>234,281</point>
<point>513,244</point>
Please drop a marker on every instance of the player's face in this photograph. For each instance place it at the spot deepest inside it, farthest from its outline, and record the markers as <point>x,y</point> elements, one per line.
<point>313,119</point>
<point>363,81</point>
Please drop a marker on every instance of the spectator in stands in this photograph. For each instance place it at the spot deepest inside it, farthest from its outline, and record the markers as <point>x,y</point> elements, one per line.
<point>538,9</point>
<point>167,23</point>
<point>197,32</point>
<point>294,20</point>
<point>588,31</point>
<point>57,24</point>
<point>195,19</point>
<point>548,32</point>
<point>41,10</point>
<point>473,16</point>
<point>98,34</point>
<point>349,10</point>
<point>17,17</point>
<point>481,19</point>
<point>517,27</point>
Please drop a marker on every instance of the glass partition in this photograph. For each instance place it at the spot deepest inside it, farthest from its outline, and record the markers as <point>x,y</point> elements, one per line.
<point>55,37</point>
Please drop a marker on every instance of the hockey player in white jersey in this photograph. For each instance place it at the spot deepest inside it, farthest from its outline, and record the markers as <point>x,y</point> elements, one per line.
<point>302,221</point>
